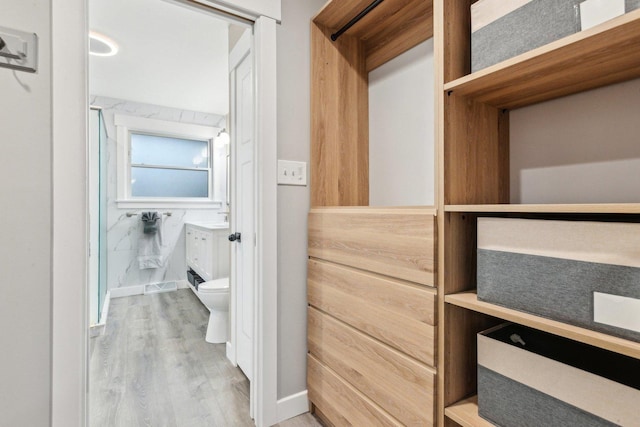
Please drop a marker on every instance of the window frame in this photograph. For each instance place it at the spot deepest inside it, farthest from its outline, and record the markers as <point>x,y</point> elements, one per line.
<point>125,126</point>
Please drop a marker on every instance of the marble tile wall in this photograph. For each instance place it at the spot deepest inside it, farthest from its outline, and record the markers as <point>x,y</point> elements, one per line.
<point>122,231</point>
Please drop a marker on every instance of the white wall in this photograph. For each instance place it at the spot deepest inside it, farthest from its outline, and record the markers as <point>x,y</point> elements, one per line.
<point>293,38</point>
<point>25,226</point>
<point>123,231</point>
<point>182,66</point>
<point>401,130</point>
<point>578,149</point>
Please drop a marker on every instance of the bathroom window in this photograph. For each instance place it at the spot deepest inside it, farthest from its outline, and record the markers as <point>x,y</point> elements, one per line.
<point>167,167</point>
<point>164,163</point>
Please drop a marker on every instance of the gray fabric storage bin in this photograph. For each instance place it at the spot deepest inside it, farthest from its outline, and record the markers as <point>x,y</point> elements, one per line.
<point>578,272</point>
<point>553,381</point>
<point>537,23</point>
<point>504,29</point>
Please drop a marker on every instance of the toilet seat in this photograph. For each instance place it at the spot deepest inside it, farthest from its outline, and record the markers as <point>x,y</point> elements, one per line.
<point>218,285</point>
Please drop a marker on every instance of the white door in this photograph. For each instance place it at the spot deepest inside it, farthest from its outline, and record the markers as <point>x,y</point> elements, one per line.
<point>244,219</point>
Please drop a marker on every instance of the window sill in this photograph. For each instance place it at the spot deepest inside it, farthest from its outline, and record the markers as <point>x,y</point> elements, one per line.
<point>168,204</point>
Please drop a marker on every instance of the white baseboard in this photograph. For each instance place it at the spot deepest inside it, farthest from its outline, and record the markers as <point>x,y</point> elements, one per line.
<point>292,406</point>
<point>98,329</point>
<point>127,291</point>
<point>231,354</point>
<point>105,308</point>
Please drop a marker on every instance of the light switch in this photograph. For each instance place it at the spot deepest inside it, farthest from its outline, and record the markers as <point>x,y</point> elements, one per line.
<point>292,173</point>
<point>19,50</point>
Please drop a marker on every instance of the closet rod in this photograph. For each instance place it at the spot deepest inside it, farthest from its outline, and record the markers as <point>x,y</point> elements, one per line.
<point>358,17</point>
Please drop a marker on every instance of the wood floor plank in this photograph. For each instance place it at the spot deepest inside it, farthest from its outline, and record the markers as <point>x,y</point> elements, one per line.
<point>152,367</point>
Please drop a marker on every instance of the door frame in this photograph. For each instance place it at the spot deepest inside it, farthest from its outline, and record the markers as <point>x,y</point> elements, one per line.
<point>70,328</point>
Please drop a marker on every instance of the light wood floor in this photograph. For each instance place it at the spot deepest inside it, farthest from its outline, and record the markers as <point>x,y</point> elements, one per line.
<point>152,367</point>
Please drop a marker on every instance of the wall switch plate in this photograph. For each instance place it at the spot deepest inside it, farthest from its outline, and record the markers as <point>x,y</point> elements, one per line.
<point>19,50</point>
<point>292,173</point>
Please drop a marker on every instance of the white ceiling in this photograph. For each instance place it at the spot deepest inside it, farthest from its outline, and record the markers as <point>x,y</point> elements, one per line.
<point>170,55</point>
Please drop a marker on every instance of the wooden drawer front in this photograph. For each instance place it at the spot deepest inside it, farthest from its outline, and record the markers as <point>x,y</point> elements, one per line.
<point>400,385</point>
<point>394,242</point>
<point>398,314</point>
<point>339,402</point>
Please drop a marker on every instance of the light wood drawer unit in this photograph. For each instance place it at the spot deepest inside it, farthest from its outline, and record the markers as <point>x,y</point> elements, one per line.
<point>399,314</point>
<point>344,405</point>
<point>399,384</point>
<point>372,317</point>
<point>396,242</point>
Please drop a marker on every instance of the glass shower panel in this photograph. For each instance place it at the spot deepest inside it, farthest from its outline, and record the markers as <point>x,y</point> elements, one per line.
<point>102,238</point>
<point>97,216</point>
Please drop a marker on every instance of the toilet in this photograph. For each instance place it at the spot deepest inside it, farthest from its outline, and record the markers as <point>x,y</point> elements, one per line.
<point>214,294</point>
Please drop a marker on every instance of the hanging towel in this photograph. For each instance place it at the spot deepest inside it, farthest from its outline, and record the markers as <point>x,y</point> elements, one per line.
<point>150,247</point>
<point>150,220</point>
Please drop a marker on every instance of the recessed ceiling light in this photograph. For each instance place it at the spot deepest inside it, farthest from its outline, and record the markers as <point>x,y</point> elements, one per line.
<point>101,45</point>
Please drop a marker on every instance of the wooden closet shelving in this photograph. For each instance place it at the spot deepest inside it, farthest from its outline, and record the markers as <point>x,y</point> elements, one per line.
<point>465,413</point>
<point>473,141</point>
<point>371,276</point>
<point>585,60</point>
<point>472,134</point>
<point>389,30</point>
<point>469,300</point>
<point>592,208</point>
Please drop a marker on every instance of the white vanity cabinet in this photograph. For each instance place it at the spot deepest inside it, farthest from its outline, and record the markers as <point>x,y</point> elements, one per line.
<point>207,250</point>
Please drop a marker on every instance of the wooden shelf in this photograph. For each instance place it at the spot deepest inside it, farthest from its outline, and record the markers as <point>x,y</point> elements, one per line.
<point>469,300</point>
<point>465,413</point>
<point>596,208</point>
<point>606,54</point>
<point>473,141</point>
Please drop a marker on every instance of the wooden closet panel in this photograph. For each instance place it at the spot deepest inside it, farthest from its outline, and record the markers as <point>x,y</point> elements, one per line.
<point>336,13</point>
<point>339,402</point>
<point>459,352</point>
<point>456,34</point>
<point>388,20</point>
<point>396,313</point>
<point>395,33</point>
<point>339,121</point>
<point>460,252</point>
<point>400,385</point>
<point>396,242</point>
<point>476,153</point>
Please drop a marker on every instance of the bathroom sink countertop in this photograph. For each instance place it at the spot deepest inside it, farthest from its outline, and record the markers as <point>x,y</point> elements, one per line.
<point>209,225</point>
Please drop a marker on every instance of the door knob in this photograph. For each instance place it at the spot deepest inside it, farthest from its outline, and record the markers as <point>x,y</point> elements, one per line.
<point>235,237</point>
